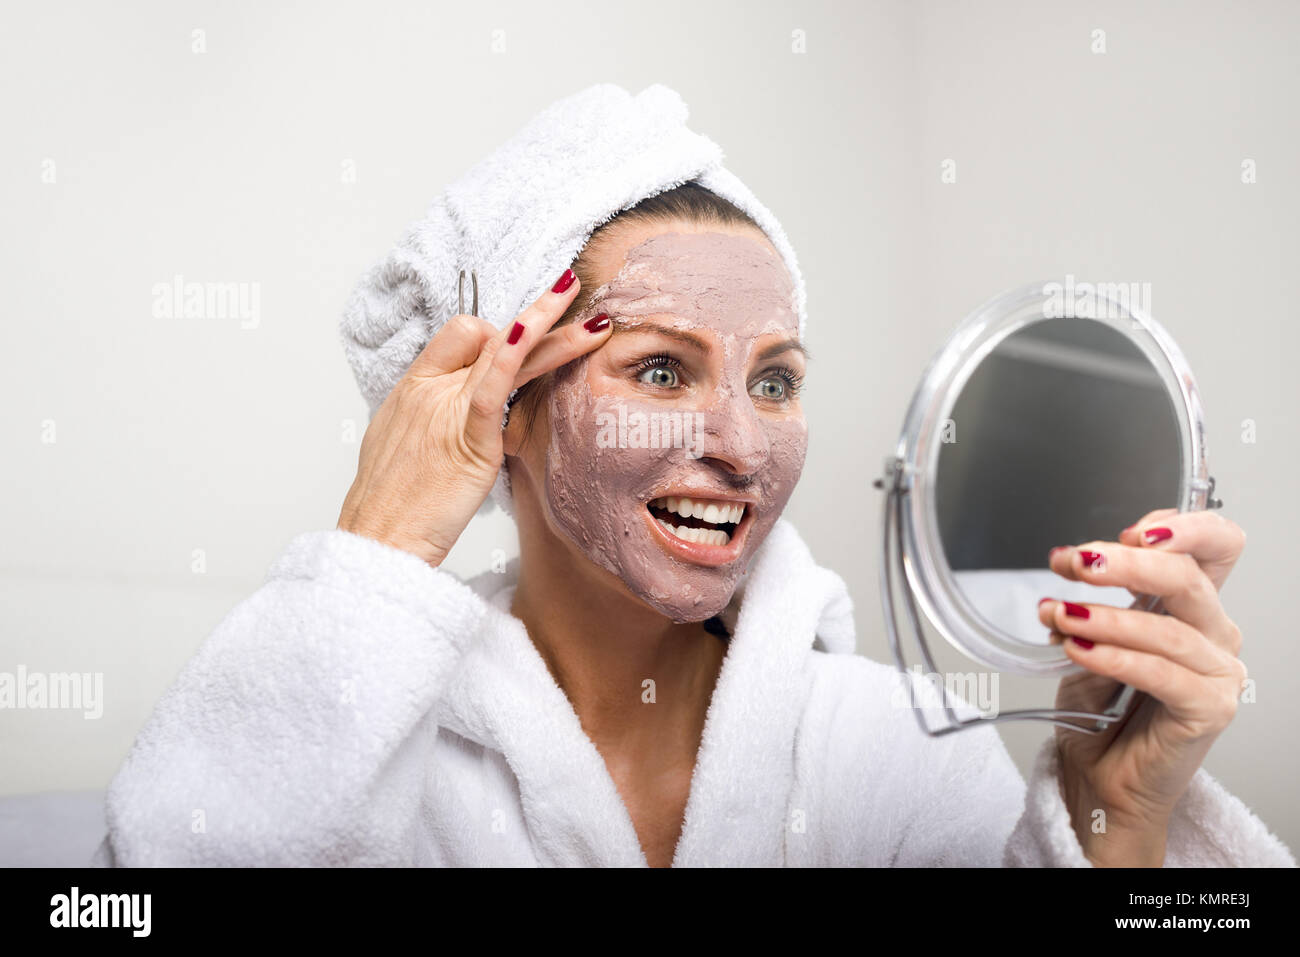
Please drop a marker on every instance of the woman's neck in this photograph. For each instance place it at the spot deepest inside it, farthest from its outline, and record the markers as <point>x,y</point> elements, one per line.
<point>640,683</point>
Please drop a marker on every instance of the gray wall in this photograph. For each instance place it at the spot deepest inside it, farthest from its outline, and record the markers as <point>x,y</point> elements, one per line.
<point>181,436</point>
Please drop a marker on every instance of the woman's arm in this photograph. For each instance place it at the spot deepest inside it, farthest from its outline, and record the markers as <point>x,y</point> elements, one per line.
<point>975,809</point>
<point>286,739</point>
<point>879,792</point>
<point>1209,827</point>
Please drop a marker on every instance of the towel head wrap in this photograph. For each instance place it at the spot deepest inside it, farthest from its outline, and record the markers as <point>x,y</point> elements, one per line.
<point>521,216</point>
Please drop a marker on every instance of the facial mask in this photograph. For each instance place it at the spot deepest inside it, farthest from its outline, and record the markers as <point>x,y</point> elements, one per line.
<point>614,450</point>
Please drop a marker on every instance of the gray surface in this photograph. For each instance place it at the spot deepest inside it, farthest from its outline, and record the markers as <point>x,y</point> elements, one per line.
<point>54,829</point>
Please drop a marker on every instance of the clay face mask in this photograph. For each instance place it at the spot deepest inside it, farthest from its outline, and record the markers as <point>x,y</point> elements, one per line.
<point>673,452</point>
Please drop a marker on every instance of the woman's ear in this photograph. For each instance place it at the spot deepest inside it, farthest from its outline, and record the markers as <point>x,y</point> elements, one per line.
<point>512,435</point>
<point>519,423</point>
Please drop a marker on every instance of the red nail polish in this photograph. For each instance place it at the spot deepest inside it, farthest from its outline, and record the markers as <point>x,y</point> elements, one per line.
<point>564,282</point>
<point>1076,611</point>
<point>1153,535</point>
<point>1041,600</point>
<point>596,323</point>
<point>1081,642</point>
<point>1094,560</point>
<point>515,333</point>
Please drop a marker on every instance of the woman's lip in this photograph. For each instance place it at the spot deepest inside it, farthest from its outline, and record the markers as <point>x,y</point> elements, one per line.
<point>704,497</point>
<point>697,553</point>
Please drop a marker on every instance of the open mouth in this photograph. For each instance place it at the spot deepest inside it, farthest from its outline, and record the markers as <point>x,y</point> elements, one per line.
<point>697,520</point>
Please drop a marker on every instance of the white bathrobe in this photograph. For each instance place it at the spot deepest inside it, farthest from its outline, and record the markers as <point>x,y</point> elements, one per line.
<point>363,708</point>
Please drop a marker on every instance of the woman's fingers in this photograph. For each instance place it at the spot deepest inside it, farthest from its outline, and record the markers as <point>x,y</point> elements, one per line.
<point>1204,704</point>
<point>1129,535</point>
<point>1139,630</point>
<point>456,345</point>
<point>492,378</point>
<point>1186,591</point>
<point>1214,541</point>
<point>560,346</point>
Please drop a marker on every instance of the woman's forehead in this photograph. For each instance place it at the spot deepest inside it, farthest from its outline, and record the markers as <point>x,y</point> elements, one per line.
<point>732,282</point>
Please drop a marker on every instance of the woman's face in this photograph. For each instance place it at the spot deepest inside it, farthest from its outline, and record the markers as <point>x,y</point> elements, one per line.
<point>673,448</point>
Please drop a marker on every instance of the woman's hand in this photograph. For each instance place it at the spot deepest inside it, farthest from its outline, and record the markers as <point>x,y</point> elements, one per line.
<point>432,451</point>
<point>1186,661</point>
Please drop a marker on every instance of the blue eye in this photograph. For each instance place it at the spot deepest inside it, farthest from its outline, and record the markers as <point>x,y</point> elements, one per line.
<point>659,371</point>
<point>780,386</point>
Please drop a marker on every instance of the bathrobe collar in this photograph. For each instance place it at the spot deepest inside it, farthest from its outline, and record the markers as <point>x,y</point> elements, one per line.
<point>505,698</point>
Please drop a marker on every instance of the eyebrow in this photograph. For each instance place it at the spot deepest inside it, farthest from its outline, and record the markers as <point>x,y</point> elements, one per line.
<point>681,335</point>
<point>786,345</point>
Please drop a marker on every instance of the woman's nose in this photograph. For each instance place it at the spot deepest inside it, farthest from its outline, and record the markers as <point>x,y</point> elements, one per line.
<point>733,435</point>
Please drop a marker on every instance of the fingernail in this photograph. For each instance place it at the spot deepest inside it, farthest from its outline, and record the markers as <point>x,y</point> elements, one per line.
<point>1041,600</point>
<point>1054,551</point>
<point>1126,531</point>
<point>564,282</point>
<point>1076,611</point>
<point>1094,560</point>
<point>596,323</point>
<point>1153,535</point>
<point>1081,642</point>
<point>515,333</point>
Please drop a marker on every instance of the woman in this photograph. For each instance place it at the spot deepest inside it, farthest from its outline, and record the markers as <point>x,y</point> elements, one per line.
<point>665,676</point>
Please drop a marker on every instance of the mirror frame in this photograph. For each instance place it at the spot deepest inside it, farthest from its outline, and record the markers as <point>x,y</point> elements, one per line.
<point>924,558</point>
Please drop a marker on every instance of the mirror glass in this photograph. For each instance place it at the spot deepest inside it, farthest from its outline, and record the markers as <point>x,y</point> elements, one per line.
<point>1063,434</point>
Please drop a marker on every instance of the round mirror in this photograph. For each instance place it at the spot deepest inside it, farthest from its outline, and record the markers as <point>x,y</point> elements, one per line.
<point>1055,415</point>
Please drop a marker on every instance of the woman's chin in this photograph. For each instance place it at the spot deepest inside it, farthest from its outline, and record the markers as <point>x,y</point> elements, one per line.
<point>685,616</point>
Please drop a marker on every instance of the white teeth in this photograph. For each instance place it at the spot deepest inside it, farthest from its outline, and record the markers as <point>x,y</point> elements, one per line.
<point>701,536</point>
<point>715,513</point>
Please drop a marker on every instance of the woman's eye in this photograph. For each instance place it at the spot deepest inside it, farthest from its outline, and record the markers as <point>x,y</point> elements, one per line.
<point>662,376</point>
<point>773,387</point>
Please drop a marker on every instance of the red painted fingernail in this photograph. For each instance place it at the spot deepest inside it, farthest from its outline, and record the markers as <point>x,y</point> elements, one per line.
<point>1081,642</point>
<point>564,282</point>
<point>515,333</point>
<point>1094,560</point>
<point>1041,600</point>
<point>596,323</point>
<point>1153,535</point>
<point>1076,611</point>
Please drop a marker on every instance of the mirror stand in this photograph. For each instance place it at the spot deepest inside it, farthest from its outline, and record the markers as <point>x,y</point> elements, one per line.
<point>892,560</point>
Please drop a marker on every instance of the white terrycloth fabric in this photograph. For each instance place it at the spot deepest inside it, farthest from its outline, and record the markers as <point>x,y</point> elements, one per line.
<point>521,216</point>
<point>363,708</point>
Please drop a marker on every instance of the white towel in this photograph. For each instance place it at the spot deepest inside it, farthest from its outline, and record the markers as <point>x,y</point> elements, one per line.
<point>520,217</point>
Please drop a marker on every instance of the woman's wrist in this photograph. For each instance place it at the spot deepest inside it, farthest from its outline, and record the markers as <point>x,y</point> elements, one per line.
<point>1125,847</point>
<point>423,550</point>
<point>1109,837</point>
